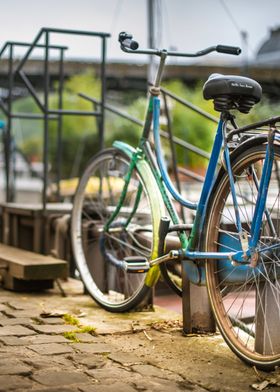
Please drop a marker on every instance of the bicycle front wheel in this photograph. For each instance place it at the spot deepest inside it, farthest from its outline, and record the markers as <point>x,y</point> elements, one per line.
<point>131,233</point>
<point>246,299</point>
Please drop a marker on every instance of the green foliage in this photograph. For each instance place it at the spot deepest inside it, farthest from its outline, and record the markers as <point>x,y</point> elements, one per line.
<point>199,131</point>
<point>80,133</point>
<point>87,329</point>
<point>70,319</point>
<point>118,128</point>
<point>260,111</point>
<point>71,336</point>
<point>189,125</point>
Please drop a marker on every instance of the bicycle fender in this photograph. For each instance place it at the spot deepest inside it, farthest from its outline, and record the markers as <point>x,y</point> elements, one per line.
<point>155,199</point>
<point>125,148</point>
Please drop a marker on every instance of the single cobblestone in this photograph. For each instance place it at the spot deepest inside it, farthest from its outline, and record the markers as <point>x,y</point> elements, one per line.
<point>107,374</point>
<point>15,330</point>
<point>61,389</point>
<point>53,362</point>
<point>14,341</point>
<point>125,359</point>
<point>5,298</point>
<point>160,385</point>
<point>90,361</point>
<point>9,382</point>
<point>93,348</point>
<point>14,351</point>
<point>153,371</point>
<point>51,349</point>
<point>54,329</point>
<point>51,320</point>
<point>21,304</point>
<point>4,321</point>
<point>46,339</point>
<point>19,370</point>
<point>116,387</point>
<point>87,338</point>
<point>22,313</point>
<point>10,361</point>
<point>60,378</point>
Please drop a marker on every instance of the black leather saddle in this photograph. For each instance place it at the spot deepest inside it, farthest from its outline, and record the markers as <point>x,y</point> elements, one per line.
<point>232,92</point>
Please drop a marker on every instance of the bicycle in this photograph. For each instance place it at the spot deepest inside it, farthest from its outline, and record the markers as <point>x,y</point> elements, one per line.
<point>123,215</point>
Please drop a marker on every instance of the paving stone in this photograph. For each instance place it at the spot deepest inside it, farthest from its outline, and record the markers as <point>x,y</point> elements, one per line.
<point>61,389</point>
<point>51,349</point>
<point>21,304</point>
<point>14,341</point>
<point>49,362</point>
<point>57,378</point>
<point>125,359</point>
<point>54,329</point>
<point>9,382</point>
<point>116,387</point>
<point>46,339</point>
<point>90,361</point>
<point>15,330</point>
<point>153,371</point>
<point>52,320</point>
<point>14,321</point>
<point>93,348</point>
<point>19,370</point>
<point>5,298</point>
<point>18,351</point>
<point>107,374</point>
<point>22,313</point>
<point>87,338</point>
<point>160,385</point>
<point>10,361</point>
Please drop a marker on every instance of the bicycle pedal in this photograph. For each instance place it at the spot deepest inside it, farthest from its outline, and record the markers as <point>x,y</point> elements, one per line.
<point>136,264</point>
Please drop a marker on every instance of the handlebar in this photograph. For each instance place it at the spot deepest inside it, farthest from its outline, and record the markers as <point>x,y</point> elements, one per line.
<point>127,42</point>
<point>235,50</point>
<point>131,46</point>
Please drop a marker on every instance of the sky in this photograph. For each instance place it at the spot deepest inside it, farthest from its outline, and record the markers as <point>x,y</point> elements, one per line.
<point>188,25</point>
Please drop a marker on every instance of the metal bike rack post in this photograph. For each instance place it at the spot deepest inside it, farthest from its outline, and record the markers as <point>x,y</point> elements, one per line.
<point>196,309</point>
<point>267,340</point>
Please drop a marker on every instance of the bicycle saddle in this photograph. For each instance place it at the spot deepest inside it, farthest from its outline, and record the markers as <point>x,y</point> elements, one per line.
<point>232,92</point>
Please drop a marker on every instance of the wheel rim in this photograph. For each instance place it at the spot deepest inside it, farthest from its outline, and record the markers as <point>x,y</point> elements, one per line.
<point>97,196</point>
<point>246,300</point>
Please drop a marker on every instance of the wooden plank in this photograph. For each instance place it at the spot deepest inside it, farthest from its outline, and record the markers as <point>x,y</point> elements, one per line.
<point>11,283</point>
<point>36,208</point>
<point>27,265</point>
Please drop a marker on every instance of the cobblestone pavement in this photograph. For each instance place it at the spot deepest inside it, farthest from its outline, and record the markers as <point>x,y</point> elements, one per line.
<point>91,350</point>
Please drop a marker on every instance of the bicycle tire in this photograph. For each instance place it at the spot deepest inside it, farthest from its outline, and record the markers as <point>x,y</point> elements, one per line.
<point>112,288</point>
<point>245,300</point>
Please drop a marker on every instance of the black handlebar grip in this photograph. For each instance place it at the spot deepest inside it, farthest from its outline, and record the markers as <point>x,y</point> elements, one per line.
<point>228,49</point>
<point>126,40</point>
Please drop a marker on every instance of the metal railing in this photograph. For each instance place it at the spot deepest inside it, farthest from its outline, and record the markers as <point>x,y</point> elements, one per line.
<point>46,114</point>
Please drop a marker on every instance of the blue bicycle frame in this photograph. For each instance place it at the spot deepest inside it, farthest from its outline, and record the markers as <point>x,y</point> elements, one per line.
<point>248,250</point>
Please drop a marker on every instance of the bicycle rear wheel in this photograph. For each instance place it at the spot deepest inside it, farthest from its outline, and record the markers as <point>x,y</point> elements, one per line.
<point>96,198</point>
<point>245,299</point>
